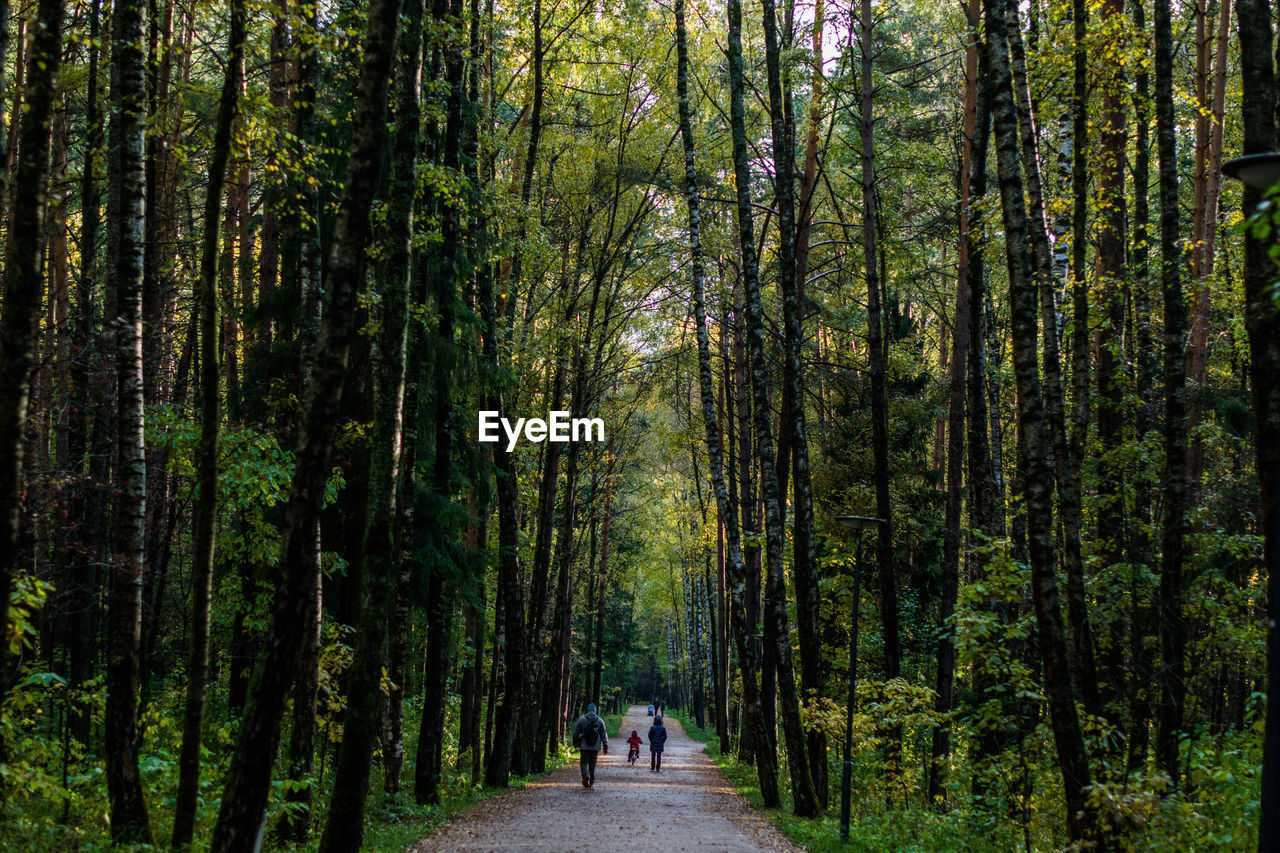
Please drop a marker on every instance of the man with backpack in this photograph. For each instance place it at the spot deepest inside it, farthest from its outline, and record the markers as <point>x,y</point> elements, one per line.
<point>590,738</point>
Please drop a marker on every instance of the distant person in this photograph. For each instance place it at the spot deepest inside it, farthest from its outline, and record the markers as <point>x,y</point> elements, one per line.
<point>590,738</point>
<point>657,739</point>
<point>650,709</point>
<point>633,742</point>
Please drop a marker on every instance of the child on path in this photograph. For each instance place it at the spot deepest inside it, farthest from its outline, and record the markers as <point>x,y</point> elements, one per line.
<point>634,743</point>
<point>657,739</point>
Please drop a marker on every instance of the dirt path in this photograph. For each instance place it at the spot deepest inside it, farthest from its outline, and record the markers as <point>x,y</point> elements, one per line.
<point>689,806</point>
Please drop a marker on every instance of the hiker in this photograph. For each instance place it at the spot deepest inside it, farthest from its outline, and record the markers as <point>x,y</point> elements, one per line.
<point>650,709</point>
<point>590,738</point>
<point>657,739</point>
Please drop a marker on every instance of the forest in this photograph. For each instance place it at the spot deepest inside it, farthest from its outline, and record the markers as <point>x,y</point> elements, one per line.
<point>936,350</point>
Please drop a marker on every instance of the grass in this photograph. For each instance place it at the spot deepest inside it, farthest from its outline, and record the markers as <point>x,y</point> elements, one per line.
<point>901,830</point>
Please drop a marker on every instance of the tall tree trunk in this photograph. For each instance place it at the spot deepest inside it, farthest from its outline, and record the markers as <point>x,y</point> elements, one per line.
<point>344,829</point>
<point>747,499</point>
<point>471,733</point>
<point>20,327</point>
<point>14,111</point>
<point>249,776</point>
<point>1080,382</point>
<point>748,649</point>
<point>125,249</point>
<point>723,727</point>
<point>1139,721</point>
<point>512,636</point>
<point>82,628</point>
<point>1068,485</point>
<point>1257,107</point>
<point>982,439</point>
<point>960,332</point>
<point>1111,269</point>
<point>1037,481</point>
<point>806,752</point>
<point>206,509</point>
<point>441,590</point>
<point>1173,628</point>
<point>876,345</point>
<point>1208,182</point>
<point>597,663</point>
<point>509,629</point>
<point>306,677</point>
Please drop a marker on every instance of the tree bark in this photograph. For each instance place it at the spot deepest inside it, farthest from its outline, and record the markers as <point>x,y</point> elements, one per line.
<point>1257,106</point>
<point>20,328</point>
<point>1082,821</point>
<point>306,677</point>
<point>125,248</point>
<point>380,555</point>
<point>206,509</point>
<point>953,535</point>
<point>1173,628</point>
<point>1208,183</point>
<point>1141,616</point>
<point>876,345</point>
<point>805,752</point>
<point>82,623</point>
<point>1080,382</point>
<point>244,800</point>
<point>1072,519</point>
<point>748,648</point>
<point>509,627</point>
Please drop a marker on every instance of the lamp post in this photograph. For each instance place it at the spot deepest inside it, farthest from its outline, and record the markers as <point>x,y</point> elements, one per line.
<point>857,523</point>
<point>1261,172</point>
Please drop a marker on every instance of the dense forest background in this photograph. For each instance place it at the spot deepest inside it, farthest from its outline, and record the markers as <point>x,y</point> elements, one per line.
<point>971,269</point>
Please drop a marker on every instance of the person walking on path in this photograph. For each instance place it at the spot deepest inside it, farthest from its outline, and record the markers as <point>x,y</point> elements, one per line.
<point>657,738</point>
<point>633,744</point>
<point>590,738</point>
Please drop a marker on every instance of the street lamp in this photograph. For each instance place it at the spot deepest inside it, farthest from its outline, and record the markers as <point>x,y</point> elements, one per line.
<point>857,523</point>
<point>1260,171</point>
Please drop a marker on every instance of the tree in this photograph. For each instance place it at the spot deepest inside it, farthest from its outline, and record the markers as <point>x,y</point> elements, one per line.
<point>210,416</point>
<point>248,779</point>
<point>1257,108</point>
<point>1068,735</point>
<point>381,555</point>
<point>22,292</point>
<point>748,653</point>
<point>1173,629</point>
<point>125,246</point>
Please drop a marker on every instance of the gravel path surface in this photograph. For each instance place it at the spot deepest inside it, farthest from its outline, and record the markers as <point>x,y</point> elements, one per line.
<point>689,806</point>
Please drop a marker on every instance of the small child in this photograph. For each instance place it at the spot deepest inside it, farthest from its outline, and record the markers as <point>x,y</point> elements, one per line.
<point>634,743</point>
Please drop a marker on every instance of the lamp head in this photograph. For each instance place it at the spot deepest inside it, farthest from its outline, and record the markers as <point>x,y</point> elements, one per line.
<point>859,522</point>
<point>1260,171</point>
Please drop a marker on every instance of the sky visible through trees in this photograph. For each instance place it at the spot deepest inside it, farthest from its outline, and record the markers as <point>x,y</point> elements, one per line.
<point>382,381</point>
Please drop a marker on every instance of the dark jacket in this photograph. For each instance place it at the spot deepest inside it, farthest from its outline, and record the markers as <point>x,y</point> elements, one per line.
<point>583,727</point>
<point>657,738</point>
